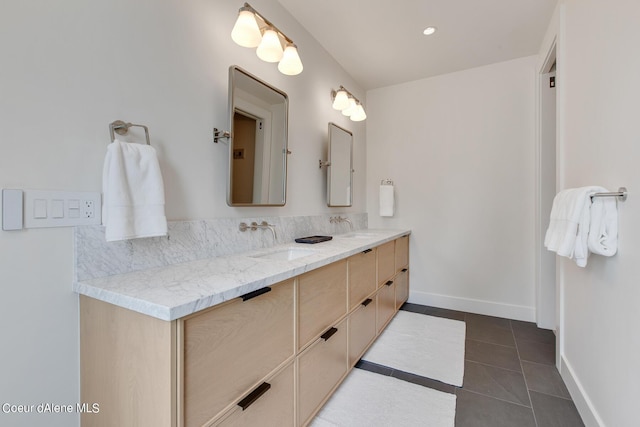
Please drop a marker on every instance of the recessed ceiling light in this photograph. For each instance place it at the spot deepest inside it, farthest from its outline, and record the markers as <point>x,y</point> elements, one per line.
<point>429,30</point>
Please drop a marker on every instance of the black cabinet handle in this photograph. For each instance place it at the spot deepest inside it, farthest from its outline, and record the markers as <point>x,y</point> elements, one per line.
<point>367,302</point>
<point>254,395</point>
<point>404,270</point>
<point>366,251</point>
<point>389,283</point>
<point>329,334</point>
<point>254,294</point>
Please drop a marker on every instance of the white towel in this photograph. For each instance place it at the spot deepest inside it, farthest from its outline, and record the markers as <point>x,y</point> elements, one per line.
<point>568,230</point>
<point>386,200</point>
<point>603,230</point>
<point>133,190</point>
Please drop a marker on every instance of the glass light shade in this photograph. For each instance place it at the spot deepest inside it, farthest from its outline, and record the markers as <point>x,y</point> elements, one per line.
<point>341,101</point>
<point>246,32</point>
<point>359,115</point>
<point>351,108</point>
<point>290,63</point>
<point>270,49</point>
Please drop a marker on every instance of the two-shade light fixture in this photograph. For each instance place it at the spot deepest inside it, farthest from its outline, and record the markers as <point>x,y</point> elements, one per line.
<point>349,105</point>
<point>254,30</point>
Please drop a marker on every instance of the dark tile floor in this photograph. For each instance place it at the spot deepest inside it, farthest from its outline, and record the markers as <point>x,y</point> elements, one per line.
<point>510,378</point>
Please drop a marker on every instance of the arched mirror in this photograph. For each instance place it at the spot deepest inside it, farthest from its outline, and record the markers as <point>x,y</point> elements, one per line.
<point>258,143</point>
<point>340,167</point>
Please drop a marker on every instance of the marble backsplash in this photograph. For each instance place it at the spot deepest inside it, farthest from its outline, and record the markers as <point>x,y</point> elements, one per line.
<point>194,240</point>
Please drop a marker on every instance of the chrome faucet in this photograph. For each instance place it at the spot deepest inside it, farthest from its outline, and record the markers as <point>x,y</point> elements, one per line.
<point>338,219</point>
<point>254,226</point>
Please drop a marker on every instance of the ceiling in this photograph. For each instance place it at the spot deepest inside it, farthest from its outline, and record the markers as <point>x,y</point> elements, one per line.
<point>380,42</point>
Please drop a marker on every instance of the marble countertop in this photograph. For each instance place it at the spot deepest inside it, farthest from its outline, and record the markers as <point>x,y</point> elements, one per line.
<point>178,290</point>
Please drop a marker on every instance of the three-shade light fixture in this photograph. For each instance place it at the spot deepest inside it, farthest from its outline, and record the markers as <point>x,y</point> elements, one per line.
<point>349,105</point>
<point>254,30</point>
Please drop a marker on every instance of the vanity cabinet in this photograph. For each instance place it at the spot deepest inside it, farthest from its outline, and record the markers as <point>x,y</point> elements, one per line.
<point>322,300</point>
<point>225,352</point>
<point>386,262</point>
<point>270,358</point>
<point>272,403</point>
<point>362,329</point>
<point>362,276</point>
<point>321,367</point>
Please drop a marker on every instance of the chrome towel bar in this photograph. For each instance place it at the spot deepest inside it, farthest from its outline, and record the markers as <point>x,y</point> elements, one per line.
<point>621,194</point>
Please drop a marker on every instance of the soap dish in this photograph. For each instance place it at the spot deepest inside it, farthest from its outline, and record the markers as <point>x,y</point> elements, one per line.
<point>313,239</point>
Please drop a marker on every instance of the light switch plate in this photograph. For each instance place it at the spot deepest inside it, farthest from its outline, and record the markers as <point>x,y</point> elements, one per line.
<point>12,209</point>
<point>51,208</point>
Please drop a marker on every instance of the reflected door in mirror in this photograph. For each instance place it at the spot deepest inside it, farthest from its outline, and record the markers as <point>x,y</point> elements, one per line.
<point>258,147</point>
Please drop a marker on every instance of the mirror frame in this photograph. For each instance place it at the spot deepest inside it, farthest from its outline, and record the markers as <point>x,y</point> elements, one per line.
<point>232,110</point>
<point>331,166</point>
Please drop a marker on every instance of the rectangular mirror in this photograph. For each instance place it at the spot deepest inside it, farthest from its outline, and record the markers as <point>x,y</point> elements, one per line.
<point>258,142</point>
<point>340,169</point>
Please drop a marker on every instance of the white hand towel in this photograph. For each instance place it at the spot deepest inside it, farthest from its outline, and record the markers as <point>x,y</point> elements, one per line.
<point>386,200</point>
<point>603,230</point>
<point>568,230</point>
<point>133,190</point>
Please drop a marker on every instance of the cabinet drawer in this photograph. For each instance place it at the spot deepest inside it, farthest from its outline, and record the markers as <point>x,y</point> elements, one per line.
<point>402,253</point>
<point>228,349</point>
<point>362,276</point>
<point>386,262</point>
<point>362,329</point>
<point>273,408</point>
<point>402,287</point>
<point>322,300</point>
<point>386,300</point>
<point>320,369</point>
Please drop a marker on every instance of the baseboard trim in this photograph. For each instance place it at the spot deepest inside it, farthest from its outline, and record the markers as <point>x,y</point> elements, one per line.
<point>489,308</point>
<point>589,415</point>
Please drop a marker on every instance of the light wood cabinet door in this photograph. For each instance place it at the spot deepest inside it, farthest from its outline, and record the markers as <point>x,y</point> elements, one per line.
<point>386,299</point>
<point>362,276</point>
<point>362,329</point>
<point>402,287</point>
<point>271,404</point>
<point>386,262</point>
<point>322,300</point>
<point>402,253</point>
<point>229,349</point>
<point>320,369</point>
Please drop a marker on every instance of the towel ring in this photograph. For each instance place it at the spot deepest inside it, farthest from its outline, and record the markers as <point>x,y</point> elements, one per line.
<point>122,128</point>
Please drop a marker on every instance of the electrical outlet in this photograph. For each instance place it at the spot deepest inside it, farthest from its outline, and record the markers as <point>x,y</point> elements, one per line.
<point>88,209</point>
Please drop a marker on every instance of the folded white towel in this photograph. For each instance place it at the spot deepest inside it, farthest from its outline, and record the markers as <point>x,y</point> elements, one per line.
<point>133,190</point>
<point>603,230</point>
<point>386,200</point>
<point>568,230</point>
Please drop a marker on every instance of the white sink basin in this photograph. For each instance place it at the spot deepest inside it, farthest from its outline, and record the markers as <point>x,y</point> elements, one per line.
<point>287,254</point>
<point>358,235</point>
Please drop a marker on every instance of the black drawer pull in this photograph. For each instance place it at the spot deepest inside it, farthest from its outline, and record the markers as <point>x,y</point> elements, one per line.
<point>366,251</point>
<point>254,294</point>
<point>404,270</point>
<point>329,334</point>
<point>389,283</point>
<point>254,395</point>
<point>367,302</point>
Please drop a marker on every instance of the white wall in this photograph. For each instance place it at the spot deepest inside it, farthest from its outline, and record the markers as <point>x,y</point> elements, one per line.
<point>602,147</point>
<point>70,68</point>
<point>460,149</point>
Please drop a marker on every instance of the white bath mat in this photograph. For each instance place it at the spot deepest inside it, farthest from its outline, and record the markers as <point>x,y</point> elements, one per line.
<point>366,399</point>
<point>428,346</point>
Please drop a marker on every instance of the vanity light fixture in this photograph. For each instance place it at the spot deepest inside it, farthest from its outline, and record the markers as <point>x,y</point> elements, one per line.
<point>349,105</point>
<point>254,30</point>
